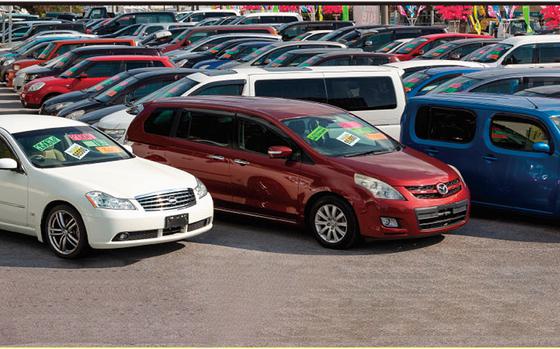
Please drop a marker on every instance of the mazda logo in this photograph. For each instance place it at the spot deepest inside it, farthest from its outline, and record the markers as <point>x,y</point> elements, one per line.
<point>442,188</point>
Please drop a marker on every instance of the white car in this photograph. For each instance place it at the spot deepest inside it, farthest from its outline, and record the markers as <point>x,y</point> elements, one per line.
<point>73,187</point>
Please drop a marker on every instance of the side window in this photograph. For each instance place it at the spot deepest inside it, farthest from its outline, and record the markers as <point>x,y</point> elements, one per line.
<point>369,93</point>
<point>102,69</point>
<point>140,64</point>
<point>156,64</point>
<point>206,127</point>
<point>160,122</point>
<point>505,86</point>
<point>5,152</point>
<point>461,51</point>
<point>255,136</point>
<point>536,81</point>
<point>516,133</point>
<point>521,55</point>
<point>336,61</point>
<point>152,29</point>
<point>377,41</point>
<point>224,90</point>
<point>363,60</point>
<point>445,124</point>
<point>65,48</point>
<point>549,53</point>
<point>405,34</point>
<point>306,89</point>
<point>146,89</point>
<point>272,56</point>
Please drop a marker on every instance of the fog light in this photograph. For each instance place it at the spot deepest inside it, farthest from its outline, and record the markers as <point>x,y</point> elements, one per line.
<point>122,236</point>
<point>389,222</point>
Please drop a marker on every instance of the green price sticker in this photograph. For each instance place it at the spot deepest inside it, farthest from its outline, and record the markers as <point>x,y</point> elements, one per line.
<point>95,143</point>
<point>317,133</point>
<point>46,143</point>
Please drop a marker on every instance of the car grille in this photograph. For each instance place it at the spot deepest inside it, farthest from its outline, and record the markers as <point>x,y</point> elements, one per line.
<point>442,216</point>
<point>171,200</point>
<point>431,192</point>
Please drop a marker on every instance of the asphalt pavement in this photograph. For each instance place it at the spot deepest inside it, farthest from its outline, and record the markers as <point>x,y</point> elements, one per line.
<point>494,282</point>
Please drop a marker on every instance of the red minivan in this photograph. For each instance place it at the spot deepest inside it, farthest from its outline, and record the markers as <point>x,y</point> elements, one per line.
<point>303,163</point>
<point>423,44</point>
<point>85,74</point>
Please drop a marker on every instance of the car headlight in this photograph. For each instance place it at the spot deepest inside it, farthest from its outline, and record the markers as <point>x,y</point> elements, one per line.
<point>379,189</point>
<point>59,106</point>
<point>9,61</point>
<point>36,86</point>
<point>101,200</point>
<point>200,189</point>
<point>16,67</point>
<point>75,114</point>
<point>116,133</point>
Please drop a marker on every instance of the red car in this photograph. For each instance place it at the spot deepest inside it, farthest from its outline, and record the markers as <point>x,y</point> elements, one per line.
<point>308,163</point>
<point>197,33</point>
<point>85,74</point>
<point>423,44</point>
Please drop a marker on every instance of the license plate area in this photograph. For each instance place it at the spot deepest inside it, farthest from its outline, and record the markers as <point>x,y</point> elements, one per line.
<point>177,221</point>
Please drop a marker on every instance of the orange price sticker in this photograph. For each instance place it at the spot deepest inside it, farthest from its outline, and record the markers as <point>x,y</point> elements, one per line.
<point>376,136</point>
<point>109,150</point>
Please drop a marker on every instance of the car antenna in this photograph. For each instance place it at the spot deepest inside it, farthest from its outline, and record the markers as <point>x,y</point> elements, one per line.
<point>533,103</point>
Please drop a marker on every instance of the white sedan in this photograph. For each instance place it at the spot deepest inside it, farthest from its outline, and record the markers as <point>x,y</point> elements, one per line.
<point>74,188</point>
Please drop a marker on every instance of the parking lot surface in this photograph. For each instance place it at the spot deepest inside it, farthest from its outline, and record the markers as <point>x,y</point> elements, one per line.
<point>10,104</point>
<point>248,282</point>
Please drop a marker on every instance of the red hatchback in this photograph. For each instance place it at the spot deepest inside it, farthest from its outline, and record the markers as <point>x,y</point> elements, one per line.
<point>423,44</point>
<point>303,163</point>
<point>85,74</point>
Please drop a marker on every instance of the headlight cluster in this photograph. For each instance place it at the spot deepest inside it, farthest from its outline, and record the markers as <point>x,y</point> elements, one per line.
<point>36,87</point>
<point>8,61</point>
<point>76,114</point>
<point>102,200</point>
<point>59,106</point>
<point>115,133</point>
<point>16,67</point>
<point>200,189</point>
<point>379,189</point>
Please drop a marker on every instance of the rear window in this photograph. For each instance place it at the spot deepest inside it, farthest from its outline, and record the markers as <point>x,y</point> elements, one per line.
<point>445,124</point>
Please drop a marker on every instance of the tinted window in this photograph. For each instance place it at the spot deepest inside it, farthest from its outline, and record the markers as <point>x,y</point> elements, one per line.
<point>147,88</point>
<point>506,86</point>
<point>5,152</point>
<point>225,90</point>
<point>516,133</point>
<point>549,53</point>
<point>521,55</point>
<point>434,83</point>
<point>541,81</point>
<point>364,60</point>
<point>368,93</point>
<point>206,127</point>
<point>445,124</point>
<point>160,122</point>
<point>306,89</point>
<point>101,69</point>
<point>254,136</point>
<point>153,29</point>
<point>334,61</point>
<point>142,64</point>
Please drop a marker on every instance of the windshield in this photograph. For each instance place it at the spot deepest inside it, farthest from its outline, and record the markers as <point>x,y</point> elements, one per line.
<point>175,89</point>
<point>389,46</point>
<point>413,80</point>
<point>458,84</point>
<point>255,54</point>
<point>108,82</point>
<point>47,51</point>
<point>76,68</point>
<point>59,61</point>
<point>108,94</point>
<point>181,36</point>
<point>341,135</point>
<point>439,50</point>
<point>238,51</point>
<point>411,45</point>
<point>68,146</point>
<point>488,54</point>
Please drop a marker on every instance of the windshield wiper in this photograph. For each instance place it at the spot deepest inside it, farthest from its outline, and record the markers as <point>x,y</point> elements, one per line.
<point>374,152</point>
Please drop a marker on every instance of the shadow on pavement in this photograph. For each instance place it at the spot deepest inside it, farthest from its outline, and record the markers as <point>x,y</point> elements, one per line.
<point>17,250</point>
<point>266,236</point>
<point>506,225</point>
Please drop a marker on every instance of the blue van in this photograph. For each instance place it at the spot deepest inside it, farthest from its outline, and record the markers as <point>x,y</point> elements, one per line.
<point>506,147</point>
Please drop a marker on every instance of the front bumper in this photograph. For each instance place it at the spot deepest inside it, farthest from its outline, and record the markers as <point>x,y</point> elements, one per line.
<point>18,82</point>
<point>104,225</point>
<point>30,99</point>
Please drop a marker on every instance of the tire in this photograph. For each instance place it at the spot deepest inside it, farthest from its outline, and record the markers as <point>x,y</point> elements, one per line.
<point>65,232</point>
<point>333,223</point>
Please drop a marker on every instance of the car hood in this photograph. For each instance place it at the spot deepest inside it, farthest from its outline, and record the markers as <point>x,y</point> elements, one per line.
<point>96,115</point>
<point>407,167</point>
<point>74,96</point>
<point>81,104</point>
<point>125,178</point>
<point>37,69</point>
<point>116,120</point>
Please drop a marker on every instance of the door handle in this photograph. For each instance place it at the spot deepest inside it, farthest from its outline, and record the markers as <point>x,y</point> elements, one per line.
<point>489,157</point>
<point>216,157</point>
<point>241,162</point>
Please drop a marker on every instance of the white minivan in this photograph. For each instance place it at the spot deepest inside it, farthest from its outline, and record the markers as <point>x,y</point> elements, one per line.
<point>373,93</point>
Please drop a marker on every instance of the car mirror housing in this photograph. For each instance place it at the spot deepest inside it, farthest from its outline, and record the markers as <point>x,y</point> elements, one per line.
<point>8,164</point>
<point>541,147</point>
<point>279,152</point>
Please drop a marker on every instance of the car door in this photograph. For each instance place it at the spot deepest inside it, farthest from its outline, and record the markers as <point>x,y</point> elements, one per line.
<point>13,191</point>
<point>260,184</point>
<point>95,73</point>
<point>514,173</point>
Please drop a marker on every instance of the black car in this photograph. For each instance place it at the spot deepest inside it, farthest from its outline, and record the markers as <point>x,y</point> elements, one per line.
<point>337,34</point>
<point>289,31</point>
<point>373,39</point>
<point>125,92</point>
<point>127,19</point>
<point>348,57</point>
<point>295,57</point>
<point>456,49</point>
<point>43,27</point>
<point>53,105</point>
<point>61,63</point>
<point>189,59</point>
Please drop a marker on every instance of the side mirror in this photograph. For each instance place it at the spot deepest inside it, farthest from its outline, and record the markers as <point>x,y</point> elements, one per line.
<point>454,56</point>
<point>541,147</point>
<point>129,98</point>
<point>8,164</point>
<point>279,152</point>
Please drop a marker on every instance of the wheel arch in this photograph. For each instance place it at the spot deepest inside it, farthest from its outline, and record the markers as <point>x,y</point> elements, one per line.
<point>319,195</point>
<point>46,210</point>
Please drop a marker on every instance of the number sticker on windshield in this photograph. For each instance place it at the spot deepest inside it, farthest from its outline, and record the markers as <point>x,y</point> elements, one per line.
<point>109,150</point>
<point>350,124</point>
<point>376,136</point>
<point>46,143</point>
<point>317,133</point>
<point>77,151</point>
<point>81,137</point>
<point>348,139</point>
<point>95,143</point>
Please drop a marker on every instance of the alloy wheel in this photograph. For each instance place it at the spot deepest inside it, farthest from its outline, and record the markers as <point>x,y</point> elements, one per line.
<point>331,223</point>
